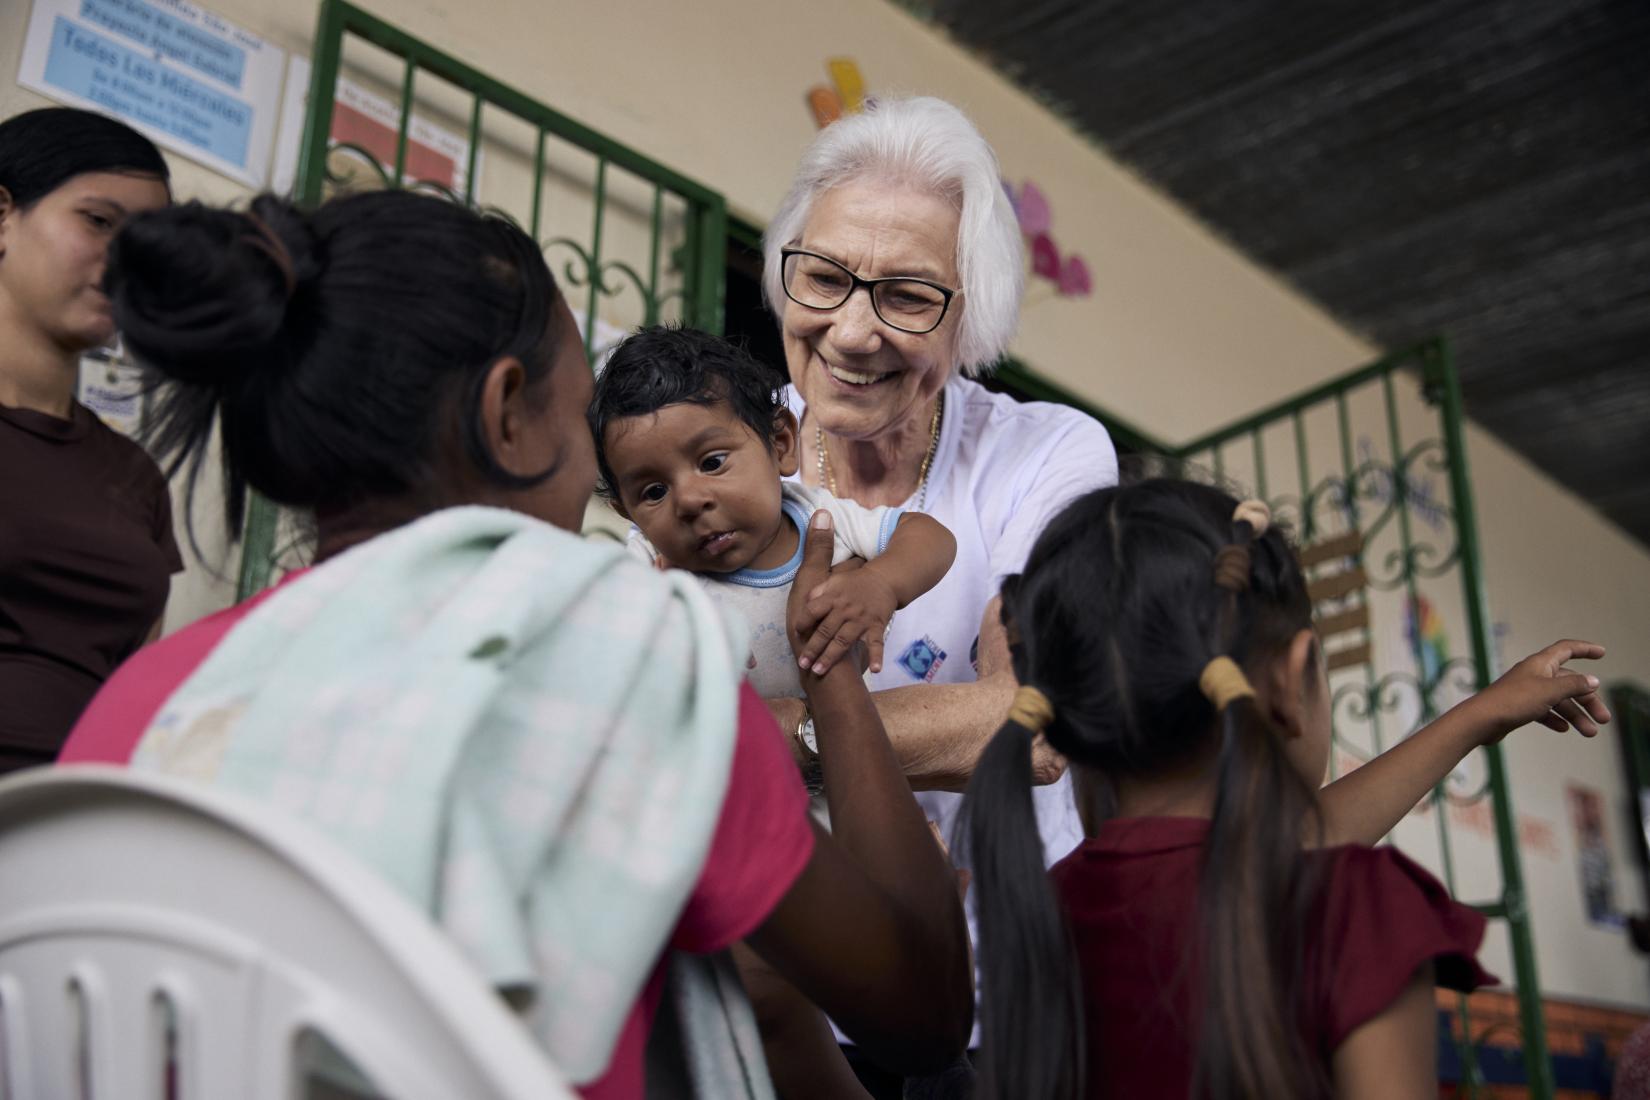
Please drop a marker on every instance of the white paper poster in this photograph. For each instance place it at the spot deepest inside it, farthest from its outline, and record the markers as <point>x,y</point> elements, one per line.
<point>192,82</point>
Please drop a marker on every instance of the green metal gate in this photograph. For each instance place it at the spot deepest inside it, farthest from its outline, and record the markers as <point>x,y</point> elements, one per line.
<point>579,193</point>
<point>1373,477</point>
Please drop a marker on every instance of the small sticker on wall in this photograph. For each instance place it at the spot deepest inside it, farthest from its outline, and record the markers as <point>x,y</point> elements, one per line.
<point>1598,884</point>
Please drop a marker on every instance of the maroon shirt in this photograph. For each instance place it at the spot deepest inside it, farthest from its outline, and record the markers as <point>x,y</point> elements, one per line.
<point>86,550</point>
<point>1131,900</point>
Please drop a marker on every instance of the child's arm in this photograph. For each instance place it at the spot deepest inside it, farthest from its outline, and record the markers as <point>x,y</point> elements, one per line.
<point>1364,805</point>
<point>873,930</point>
<point>803,1055</point>
<point>1395,1055</point>
<point>855,605</point>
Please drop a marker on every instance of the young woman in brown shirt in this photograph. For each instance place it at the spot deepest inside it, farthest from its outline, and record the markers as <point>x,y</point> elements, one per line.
<point>86,543</point>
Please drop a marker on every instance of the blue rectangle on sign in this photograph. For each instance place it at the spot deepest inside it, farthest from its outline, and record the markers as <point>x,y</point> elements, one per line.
<point>137,87</point>
<point>153,29</point>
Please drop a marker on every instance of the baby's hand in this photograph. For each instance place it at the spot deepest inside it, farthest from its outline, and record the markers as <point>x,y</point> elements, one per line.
<point>1540,689</point>
<point>849,607</point>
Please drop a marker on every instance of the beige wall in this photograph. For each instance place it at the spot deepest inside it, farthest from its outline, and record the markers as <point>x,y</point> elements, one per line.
<point>1554,569</point>
<point>1181,334</point>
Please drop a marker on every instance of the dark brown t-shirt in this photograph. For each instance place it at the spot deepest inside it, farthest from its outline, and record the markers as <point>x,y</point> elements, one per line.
<point>86,550</point>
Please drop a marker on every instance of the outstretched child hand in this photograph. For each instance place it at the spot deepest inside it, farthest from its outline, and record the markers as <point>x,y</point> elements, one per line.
<point>1364,805</point>
<point>1540,689</point>
<point>849,607</point>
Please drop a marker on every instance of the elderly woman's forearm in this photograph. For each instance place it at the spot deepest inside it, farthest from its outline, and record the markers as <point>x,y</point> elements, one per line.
<point>938,731</point>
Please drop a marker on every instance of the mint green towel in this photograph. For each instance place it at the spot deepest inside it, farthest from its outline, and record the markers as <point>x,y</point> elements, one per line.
<point>528,733</point>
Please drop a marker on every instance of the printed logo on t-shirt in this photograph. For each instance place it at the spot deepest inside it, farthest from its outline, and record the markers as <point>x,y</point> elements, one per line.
<point>922,659</point>
<point>974,655</point>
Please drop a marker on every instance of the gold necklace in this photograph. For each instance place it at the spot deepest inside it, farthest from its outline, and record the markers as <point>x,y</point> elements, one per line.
<point>827,477</point>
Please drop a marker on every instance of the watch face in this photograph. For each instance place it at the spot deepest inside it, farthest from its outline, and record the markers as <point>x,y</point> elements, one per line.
<point>808,737</point>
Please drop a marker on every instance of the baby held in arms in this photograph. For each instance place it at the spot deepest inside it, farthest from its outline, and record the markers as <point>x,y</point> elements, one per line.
<point>694,445</point>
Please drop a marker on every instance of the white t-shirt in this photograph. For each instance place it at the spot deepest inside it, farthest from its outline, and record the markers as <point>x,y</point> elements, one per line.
<point>1002,469</point>
<point>760,595</point>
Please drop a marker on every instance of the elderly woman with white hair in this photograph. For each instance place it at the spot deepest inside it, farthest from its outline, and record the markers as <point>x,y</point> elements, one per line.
<point>905,202</point>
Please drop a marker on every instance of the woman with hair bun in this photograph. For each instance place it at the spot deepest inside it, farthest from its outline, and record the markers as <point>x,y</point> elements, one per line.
<point>541,741</point>
<point>86,544</point>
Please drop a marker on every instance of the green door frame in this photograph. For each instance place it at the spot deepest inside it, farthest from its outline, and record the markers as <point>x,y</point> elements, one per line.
<point>1630,708</point>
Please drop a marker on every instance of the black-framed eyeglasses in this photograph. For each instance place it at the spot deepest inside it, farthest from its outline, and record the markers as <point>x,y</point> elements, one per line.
<point>901,302</point>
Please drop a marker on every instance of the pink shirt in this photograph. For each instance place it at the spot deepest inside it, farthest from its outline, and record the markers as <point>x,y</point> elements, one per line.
<point>762,840</point>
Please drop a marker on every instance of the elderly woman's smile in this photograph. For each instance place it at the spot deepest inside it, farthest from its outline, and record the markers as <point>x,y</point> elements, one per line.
<point>858,378</point>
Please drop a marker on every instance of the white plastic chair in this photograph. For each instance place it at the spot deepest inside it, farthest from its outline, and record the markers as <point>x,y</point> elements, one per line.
<point>145,921</point>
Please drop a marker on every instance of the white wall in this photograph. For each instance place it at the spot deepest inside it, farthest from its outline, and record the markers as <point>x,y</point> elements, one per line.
<point>1181,334</point>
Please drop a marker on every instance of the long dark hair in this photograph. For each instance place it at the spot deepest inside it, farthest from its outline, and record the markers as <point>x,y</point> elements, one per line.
<point>1115,617</point>
<point>43,149</point>
<point>340,350</point>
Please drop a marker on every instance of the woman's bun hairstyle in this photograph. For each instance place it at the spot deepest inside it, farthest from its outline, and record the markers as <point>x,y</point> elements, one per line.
<point>340,351</point>
<point>209,296</point>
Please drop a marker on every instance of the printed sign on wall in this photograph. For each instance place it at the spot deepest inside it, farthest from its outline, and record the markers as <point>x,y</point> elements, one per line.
<point>370,122</point>
<point>192,82</point>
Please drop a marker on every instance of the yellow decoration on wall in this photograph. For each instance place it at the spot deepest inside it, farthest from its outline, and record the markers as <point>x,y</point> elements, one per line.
<point>850,85</point>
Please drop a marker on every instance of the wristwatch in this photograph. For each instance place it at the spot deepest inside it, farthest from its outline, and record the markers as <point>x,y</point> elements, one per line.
<point>813,776</point>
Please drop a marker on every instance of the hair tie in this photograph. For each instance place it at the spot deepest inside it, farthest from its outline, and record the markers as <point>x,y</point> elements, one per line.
<point>1256,514</point>
<point>270,244</point>
<point>1031,709</point>
<point>1232,567</point>
<point>1223,683</point>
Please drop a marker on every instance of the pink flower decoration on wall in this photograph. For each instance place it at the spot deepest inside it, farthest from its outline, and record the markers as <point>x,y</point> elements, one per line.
<point>1074,278</point>
<point>1070,275</point>
<point>1033,211</point>
<point>1045,258</point>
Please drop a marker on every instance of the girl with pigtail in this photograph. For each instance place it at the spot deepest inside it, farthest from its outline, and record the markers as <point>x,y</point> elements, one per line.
<point>1204,940</point>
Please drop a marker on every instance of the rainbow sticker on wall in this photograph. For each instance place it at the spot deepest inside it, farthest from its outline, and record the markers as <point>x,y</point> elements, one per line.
<point>1427,638</point>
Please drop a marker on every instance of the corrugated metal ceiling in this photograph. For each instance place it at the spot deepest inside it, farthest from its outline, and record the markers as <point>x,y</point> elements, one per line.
<point>1478,170</point>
